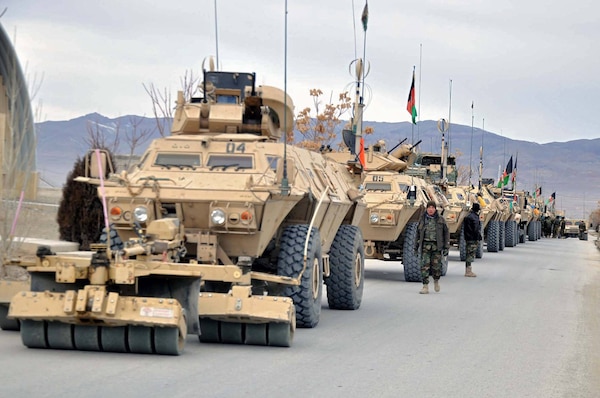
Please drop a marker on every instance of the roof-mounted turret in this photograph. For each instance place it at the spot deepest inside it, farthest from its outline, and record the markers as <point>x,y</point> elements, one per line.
<point>232,104</point>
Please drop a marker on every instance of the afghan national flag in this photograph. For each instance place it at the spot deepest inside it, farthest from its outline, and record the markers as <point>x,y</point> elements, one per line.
<point>365,16</point>
<point>538,192</point>
<point>514,171</point>
<point>412,101</point>
<point>507,173</point>
<point>552,198</point>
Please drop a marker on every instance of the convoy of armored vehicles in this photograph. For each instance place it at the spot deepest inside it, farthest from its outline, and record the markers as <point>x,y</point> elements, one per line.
<point>224,231</point>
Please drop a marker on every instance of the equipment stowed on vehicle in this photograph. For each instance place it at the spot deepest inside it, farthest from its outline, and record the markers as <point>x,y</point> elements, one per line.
<point>221,230</point>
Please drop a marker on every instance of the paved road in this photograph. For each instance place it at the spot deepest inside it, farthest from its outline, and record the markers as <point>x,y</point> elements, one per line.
<point>527,326</point>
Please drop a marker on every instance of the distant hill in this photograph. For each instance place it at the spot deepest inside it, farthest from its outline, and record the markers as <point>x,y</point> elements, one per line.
<point>571,169</point>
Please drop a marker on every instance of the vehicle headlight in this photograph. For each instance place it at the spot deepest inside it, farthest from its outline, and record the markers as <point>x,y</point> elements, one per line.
<point>140,214</point>
<point>374,218</point>
<point>217,217</point>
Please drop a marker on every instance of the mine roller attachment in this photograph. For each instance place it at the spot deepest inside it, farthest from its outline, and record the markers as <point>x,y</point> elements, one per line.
<point>93,319</point>
<point>8,289</point>
<point>238,317</point>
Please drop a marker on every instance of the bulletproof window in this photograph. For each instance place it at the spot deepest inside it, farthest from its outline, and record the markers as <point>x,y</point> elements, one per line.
<point>178,160</point>
<point>235,162</point>
<point>378,186</point>
<point>273,160</point>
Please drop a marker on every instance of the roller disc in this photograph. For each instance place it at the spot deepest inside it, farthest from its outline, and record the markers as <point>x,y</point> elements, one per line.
<point>5,322</point>
<point>168,341</point>
<point>33,334</point>
<point>60,335</point>
<point>114,339</point>
<point>280,334</point>
<point>209,331</point>
<point>256,333</point>
<point>140,339</point>
<point>231,332</point>
<point>87,338</point>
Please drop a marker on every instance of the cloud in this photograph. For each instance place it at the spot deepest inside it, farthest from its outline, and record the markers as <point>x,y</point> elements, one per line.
<point>530,67</point>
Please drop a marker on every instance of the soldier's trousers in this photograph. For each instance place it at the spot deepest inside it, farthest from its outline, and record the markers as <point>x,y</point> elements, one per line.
<point>471,250</point>
<point>431,262</point>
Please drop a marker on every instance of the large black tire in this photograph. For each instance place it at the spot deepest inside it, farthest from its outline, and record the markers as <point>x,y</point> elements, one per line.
<point>306,296</point>
<point>5,322</point>
<point>501,235</point>
<point>531,231</point>
<point>116,243</point>
<point>462,244</point>
<point>493,238</point>
<point>410,260</point>
<point>509,240</point>
<point>347,262</point>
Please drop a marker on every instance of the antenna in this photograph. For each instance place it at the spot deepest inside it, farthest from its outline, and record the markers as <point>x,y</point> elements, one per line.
<point>216,35</point>
<point>285,187</point>
<point>471,150</point>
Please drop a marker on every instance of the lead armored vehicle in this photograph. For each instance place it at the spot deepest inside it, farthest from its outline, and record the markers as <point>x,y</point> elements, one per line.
<point>221,230</point>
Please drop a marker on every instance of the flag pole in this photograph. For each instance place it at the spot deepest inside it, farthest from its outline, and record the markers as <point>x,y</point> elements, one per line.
<point>471,150</point>
<point>420,91</point>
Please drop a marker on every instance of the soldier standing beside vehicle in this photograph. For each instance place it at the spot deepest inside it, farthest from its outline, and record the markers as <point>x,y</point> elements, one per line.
<point>562,228</point>
<point>472,232</point>
<point>433,241</point>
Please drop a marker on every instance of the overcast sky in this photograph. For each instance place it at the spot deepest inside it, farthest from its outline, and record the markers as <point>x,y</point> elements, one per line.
<point>531,67</point>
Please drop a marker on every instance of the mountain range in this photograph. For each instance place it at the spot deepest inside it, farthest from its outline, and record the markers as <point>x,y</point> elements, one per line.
<point>570,169</point>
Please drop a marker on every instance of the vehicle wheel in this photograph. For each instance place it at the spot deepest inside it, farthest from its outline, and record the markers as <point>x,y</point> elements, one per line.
<point>139,339</point>
<point>280,334</point>
<point>256,334</point>
<point>209,331</point>
<point>169,341</point>
<point>410,260</point>
<point>5,322</point>
<point>60,335</point>
<point>232,332</point>
<point>501,235</point>
<point>290,262</point>
<point>509,240</point>
<point>347,261</point>
<point>492,236</point>
<point>114,339</point>
<point>531,231</point>
<point>115,241</point>
<point>33,334</point>
<point>86,338</point>
<point>462,244</point>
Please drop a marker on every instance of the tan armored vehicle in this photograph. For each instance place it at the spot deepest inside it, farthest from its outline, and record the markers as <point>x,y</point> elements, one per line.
<point>227,234</point>
<point>495,211</point>
<point>395,201</point>
<point>443,173</point>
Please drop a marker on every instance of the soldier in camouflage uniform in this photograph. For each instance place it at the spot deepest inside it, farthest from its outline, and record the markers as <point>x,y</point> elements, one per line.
<point>472,230</point>
<point>433,241</point>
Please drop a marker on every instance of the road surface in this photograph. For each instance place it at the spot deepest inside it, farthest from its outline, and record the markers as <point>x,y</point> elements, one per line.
<point>527,326</point>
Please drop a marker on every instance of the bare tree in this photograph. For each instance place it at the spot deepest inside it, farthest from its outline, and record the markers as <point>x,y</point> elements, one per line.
<point>98,136</point>
<point>321,129</point>
<point>135,136</point>
<point>162,103</point>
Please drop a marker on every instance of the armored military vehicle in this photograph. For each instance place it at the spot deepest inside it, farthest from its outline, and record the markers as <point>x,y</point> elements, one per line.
<point>221,230</point>
<point>494,213</point>
<point>395,201</point>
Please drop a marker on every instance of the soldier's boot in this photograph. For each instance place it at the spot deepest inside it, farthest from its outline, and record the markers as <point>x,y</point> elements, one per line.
<point>436,285</point>
<point>425,288</point>
<point>469,272</point>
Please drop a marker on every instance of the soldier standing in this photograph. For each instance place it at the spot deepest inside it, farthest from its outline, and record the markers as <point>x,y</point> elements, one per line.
<point>472,230</point>
<point>433,241</point>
